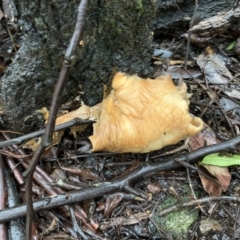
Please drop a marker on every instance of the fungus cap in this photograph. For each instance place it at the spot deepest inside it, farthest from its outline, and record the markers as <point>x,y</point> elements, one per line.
<point>142,115</point>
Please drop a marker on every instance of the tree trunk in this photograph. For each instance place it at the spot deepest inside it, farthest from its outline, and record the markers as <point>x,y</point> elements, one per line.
<point>117,37</point>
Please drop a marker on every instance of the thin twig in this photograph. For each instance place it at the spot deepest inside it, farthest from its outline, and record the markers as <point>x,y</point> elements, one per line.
<point>198,202</point>
<point>20,140</point>
<point>152,220</point>
<point>47,138</point>
<point>119,183</point>
<point>189,35</point>
<point>230,214</point>
<point>3,199</point>
<point>76,227</point>
<point>191,187</point>
<point>190,183</point>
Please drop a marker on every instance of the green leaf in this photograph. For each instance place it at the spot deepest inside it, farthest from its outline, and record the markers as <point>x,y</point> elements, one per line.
<point>222,161</point>
<point>231,46</point>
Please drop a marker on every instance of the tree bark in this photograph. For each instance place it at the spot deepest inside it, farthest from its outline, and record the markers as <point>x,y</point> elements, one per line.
<point>117,37</point>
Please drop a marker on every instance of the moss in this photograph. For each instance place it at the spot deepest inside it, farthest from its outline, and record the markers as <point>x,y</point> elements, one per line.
<point>176,223</point>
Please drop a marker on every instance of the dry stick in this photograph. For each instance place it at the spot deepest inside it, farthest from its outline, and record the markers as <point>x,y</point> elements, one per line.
<point>120,182</point>
<point>191,187</point>
<point>16,172</point>
<point>44,180</point>
<point>230,214</point>
<point>192,22</point>
<point>198,202</point>
<point>16,228</point>
<point>152,220</point>
<point>76,227</point>
<point>221,89</point>
<point>3,199</point>
<point>62,222</point>
<point>19,140</point>
<point>237,217</point>
<point>47,138</point>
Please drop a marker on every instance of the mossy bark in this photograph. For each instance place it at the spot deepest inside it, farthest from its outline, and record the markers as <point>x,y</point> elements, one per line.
<point>117,37</point>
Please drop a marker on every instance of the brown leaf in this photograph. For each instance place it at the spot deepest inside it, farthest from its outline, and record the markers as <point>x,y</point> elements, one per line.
<point>101,206</point>
<point>2,68</point>
<point>83,173</point>
<point>130,169</point>
<point>221,173</point>
<point>212,188</point>
<point>33,143</point>
<point>84,112</point>
<point>205,137</point>
<point>153,188</point>
<point>112,202</point>
<point>1,14</point>
<point>130,220</point>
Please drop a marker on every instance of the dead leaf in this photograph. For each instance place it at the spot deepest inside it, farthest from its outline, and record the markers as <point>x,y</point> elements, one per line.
<point>83,173</point>
<point>153,188</point>
<point>216,72</point>
<point>178,73</point>
<point>207,137</point>
<point>228,104</point>
<point>214,68</point>
<point>132,219</point>
<point>1,14</point>
<point>207,225</point>
<point>111,203</point>
<point>100,207</point>
<point>84,112</point>
<point>33,143</point>
<point>2,68</point>
<point>221,173</point>
<point>212,188</point>
<point>130,169</point>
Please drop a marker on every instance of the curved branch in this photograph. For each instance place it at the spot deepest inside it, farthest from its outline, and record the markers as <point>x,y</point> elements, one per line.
<point>118,184</point>
<point>47,137</point>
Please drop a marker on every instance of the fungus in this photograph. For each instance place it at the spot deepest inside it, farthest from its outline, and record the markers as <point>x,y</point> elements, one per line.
<point>84,112</point>
<point>142,115</point>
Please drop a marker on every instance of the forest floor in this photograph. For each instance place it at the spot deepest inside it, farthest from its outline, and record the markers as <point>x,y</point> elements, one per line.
<point>156,207</point>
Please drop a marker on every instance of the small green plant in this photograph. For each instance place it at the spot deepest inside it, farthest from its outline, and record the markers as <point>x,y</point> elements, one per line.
<point>231,46</point>
<point>221,160</point>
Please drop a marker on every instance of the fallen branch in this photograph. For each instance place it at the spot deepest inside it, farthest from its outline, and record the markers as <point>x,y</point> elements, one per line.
<point>20,140</point>
<point>69,58</point>
<point>118,184</point>
<point>199,202</point>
